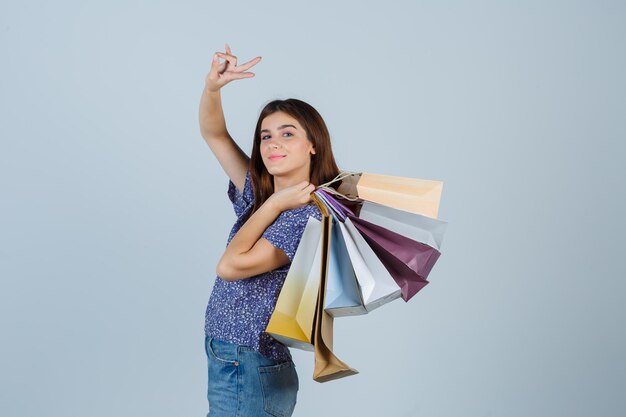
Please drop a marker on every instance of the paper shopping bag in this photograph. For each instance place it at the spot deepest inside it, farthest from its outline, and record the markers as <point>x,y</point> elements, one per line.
<point>409,194</point>
<point>328,366</point>
<point>343,295</point>
<point>408,261</point>
<point>291,322</point>
<point>414,226</point>
<point>377,285</point>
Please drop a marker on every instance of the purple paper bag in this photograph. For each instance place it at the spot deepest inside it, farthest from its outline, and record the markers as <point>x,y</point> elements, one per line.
<point>409,262</point>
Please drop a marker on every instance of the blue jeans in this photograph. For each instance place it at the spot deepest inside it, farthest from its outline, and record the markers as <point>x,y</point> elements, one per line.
<point>244,383</point>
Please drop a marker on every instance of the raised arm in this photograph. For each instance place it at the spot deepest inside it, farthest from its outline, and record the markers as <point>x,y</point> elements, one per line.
<point>231,157</point>
<point>248,253</point>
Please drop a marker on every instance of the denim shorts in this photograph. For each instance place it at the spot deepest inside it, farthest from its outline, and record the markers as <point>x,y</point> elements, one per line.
<point>242,382</point>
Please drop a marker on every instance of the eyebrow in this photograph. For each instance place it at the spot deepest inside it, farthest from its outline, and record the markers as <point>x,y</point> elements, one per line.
<point>279,127</point>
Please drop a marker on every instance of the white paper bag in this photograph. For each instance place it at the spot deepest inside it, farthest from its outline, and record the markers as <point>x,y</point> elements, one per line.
<point>377,286</point>
<point>415,226</point>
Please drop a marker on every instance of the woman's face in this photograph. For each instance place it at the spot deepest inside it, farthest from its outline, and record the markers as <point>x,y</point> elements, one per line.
<point>284,146</point>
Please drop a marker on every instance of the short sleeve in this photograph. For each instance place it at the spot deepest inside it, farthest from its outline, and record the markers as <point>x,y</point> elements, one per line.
<point>286,231</point>
<point>241,200</point>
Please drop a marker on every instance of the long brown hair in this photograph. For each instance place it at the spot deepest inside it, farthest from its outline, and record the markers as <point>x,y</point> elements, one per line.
<point>323,167</point>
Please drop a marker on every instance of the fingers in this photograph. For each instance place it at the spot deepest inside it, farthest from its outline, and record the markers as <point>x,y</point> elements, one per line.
<point>232,59</point>
<point>303,196</point>
<point>309,191</point>
<point>249,64</point>
<point>307,187</point>
<point>228,51</point>
<point>222,73</point>
<point>214,65</point>
<point>229,76</point>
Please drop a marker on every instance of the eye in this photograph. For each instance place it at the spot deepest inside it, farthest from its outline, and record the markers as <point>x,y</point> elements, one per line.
<point>286,133</point>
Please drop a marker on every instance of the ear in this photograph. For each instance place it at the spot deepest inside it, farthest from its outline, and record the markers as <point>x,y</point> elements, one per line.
<point>313,150</point>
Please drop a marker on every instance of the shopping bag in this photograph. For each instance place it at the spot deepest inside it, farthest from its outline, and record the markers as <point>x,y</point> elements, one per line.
<point>408,261</point>
<point>328,366</point>
<point>414,226</point>
<point>409,194</point>
<point>343,296</point>
<point>336,209</point>
<point>291,322</point>
<point>377,285</point>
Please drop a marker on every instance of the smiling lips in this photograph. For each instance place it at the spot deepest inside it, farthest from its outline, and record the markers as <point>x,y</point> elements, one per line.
<point>276,157</point>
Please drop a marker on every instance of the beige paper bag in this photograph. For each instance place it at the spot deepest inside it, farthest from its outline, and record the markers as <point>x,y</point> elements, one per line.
<point>410,194</point>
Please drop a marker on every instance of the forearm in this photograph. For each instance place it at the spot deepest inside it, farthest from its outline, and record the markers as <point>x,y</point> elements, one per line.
<point>212,122</point>
<point>251,231</point>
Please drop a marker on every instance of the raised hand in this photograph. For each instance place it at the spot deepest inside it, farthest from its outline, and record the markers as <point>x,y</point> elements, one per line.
<point>222,73</point>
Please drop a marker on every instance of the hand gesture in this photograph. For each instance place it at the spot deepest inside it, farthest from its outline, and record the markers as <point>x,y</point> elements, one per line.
<point>222,74</point>
<point>293,197</point>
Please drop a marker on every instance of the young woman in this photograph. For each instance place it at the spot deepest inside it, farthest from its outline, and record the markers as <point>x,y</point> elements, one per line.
<point>250,373</point>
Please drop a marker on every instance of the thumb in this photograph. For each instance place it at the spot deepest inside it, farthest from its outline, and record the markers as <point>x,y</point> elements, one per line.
<point>215,62</point>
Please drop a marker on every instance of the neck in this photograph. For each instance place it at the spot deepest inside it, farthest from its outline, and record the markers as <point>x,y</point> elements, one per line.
<point>283,181</point>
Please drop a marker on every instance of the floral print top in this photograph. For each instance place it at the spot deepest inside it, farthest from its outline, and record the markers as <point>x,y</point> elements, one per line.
<point>238,311</point>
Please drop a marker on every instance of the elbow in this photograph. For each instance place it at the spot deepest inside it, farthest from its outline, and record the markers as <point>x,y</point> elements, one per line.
<point>228,271</point>
<point>224,271</point>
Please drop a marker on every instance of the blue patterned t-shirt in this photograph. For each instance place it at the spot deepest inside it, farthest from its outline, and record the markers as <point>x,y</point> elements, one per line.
<point>238,311</point>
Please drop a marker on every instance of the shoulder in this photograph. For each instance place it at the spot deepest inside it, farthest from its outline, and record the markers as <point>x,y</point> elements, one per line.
<point>243,199</point>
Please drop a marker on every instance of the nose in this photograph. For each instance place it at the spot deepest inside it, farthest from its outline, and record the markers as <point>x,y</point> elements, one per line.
<point>272,144</point>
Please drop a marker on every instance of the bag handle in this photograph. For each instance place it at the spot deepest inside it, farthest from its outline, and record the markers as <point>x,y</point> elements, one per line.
<point>342,174</point>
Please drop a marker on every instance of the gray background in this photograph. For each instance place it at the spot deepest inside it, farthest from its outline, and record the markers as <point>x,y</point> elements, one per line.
<point>114,211</point>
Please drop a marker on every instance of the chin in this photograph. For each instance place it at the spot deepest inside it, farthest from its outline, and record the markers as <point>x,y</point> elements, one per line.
<point>277,170</point>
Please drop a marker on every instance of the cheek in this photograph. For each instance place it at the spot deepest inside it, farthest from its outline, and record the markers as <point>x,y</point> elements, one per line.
<point>301,147</point>
<point>302,153</point>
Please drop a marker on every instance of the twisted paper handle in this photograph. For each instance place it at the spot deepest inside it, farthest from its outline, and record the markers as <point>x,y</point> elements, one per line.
<point>343,174</point>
